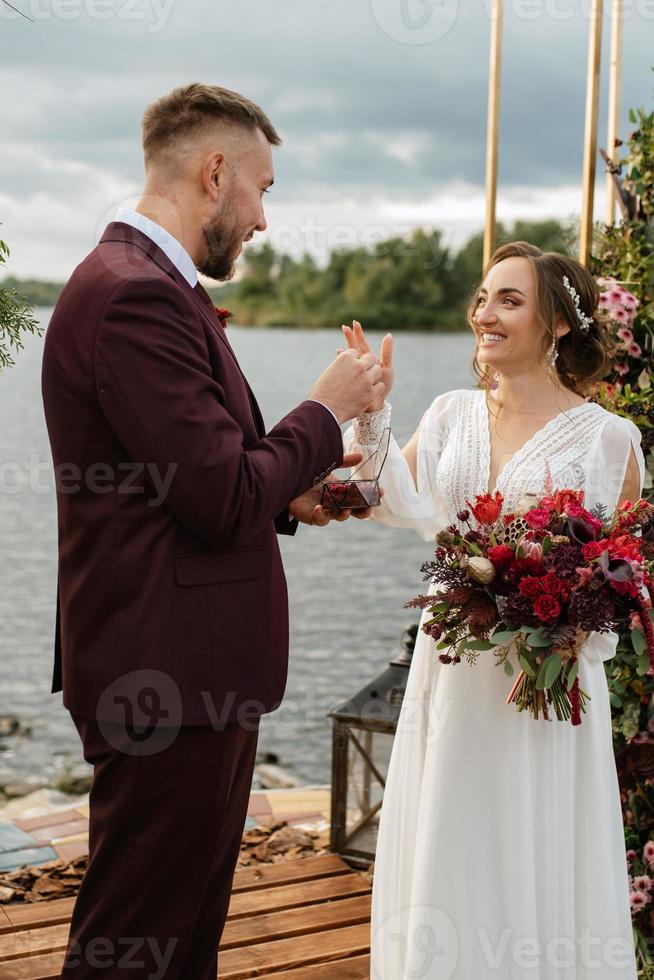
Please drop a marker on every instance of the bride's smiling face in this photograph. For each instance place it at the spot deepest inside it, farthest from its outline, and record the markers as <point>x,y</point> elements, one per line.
<point>505,306</point>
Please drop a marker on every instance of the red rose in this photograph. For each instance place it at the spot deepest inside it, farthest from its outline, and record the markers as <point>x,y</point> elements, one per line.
<point>500,555</point>
<point>547,608</point>
<point>537,518</point>
<point>487,509</point>
<point>531,587</point>
<point>552,584</point>
<point>592,550</point>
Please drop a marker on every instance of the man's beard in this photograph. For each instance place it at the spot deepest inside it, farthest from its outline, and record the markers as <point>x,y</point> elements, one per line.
<point>222,246</point>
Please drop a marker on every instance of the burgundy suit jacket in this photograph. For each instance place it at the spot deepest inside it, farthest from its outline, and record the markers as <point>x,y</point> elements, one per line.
<point>172,604</point>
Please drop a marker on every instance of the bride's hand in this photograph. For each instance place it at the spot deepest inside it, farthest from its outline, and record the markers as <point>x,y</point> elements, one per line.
<point>356,340</point>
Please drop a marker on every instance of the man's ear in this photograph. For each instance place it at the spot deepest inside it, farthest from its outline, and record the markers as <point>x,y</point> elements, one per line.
<point>213,173</point>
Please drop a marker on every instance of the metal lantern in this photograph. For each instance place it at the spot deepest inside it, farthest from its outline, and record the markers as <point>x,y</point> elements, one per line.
<point>362,739</point>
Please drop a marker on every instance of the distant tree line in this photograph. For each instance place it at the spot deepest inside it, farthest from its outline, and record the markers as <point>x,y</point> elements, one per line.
<point>413,283</point>
<point>417,283</point>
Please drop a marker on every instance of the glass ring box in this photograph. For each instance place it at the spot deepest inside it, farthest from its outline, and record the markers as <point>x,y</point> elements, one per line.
<point>354,494</point>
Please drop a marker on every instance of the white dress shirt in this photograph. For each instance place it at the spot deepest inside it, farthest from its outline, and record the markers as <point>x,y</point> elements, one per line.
<point>166,242</point>
<point>175,252</point>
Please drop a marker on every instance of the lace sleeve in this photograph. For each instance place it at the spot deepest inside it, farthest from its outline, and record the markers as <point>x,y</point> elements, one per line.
<point>369,427</point>
<point>607,466</point>
<point>405,503</point>
<point>608,461</point>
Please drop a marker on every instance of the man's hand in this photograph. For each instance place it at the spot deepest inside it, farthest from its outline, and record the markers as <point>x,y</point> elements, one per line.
<point>307,509</point>
<point>356,341</point>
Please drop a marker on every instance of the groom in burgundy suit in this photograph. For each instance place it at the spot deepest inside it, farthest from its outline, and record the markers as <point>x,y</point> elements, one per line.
<point>172,616</point>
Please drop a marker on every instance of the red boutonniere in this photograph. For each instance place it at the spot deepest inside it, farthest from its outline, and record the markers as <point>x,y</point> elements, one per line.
<point>223,315</point>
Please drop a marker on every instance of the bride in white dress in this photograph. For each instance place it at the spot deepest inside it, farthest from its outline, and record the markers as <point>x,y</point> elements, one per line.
<point>500,851</point>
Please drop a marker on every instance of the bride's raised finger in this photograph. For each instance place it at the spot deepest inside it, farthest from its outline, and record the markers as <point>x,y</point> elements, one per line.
<point>349,337</point>
<point>360,337</point>
<point>386,351</point>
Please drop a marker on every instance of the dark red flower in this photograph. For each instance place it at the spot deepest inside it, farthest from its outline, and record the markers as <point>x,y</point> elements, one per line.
<point>500,555</point>
<point>547,608</point>
<point>531,587</point>
<point>223,315</point>
<point>552,584</point>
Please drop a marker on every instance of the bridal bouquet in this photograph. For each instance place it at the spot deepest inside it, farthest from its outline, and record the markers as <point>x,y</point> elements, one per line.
<point>541,579</point>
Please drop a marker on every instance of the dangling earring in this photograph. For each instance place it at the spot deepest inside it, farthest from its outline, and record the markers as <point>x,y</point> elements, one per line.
<point>495,383</point>
<point>551,357</point>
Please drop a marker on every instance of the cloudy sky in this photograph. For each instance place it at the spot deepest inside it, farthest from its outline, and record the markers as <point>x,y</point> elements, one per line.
<point>381,103</point>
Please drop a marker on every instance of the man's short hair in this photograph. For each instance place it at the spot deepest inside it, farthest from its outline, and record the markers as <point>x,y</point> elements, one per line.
<point>186,110</point>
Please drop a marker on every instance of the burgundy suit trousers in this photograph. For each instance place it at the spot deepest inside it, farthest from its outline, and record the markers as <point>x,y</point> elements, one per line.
<point>166,821</point>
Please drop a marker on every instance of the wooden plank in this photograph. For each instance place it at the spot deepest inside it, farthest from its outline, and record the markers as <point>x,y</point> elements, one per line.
<point>353,968</point>
<point>33,942</point>
<point>57,911</point>
<point>292,896</point>
<point>283,917</point>
<point>265,875</point>
<point>35,968</point>
<point>256,928</point>
<point>296,922</point>
<point>335,944</point>
<point>5,921</point>
<point>34,915</point>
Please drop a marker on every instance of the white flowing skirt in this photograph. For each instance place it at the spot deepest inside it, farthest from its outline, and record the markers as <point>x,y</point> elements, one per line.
<point>501,847</point>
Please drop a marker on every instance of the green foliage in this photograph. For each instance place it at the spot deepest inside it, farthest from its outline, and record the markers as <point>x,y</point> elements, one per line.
<point>15,318</point>
<point>416,283</point>
<point>635,404</point>
<point>35,291</point>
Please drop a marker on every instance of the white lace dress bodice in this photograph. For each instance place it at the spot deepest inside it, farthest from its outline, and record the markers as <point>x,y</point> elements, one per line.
<point>500,850</point>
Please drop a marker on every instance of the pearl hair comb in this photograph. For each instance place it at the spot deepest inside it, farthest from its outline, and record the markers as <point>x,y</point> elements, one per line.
<point>585,321</point>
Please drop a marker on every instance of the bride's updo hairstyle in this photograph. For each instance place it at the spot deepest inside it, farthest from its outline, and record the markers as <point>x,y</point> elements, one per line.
<point>584,357</point>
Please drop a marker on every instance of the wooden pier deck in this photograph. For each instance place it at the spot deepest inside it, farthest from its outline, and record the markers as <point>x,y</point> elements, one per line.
<point>306,919</point>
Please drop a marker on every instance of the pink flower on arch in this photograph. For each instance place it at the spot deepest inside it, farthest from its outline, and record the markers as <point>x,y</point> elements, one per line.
<point>648,853</point>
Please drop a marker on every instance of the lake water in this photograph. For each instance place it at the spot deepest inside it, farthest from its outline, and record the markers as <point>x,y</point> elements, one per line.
<point>347,582</point>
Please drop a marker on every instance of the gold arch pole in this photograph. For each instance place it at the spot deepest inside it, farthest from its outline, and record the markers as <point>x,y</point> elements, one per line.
<point>614,104</point>
<point>590,130</point>
<point>493,127</point>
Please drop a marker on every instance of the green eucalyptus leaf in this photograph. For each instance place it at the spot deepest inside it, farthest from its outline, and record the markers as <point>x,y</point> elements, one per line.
<point>501,637</point>
<point>643,662</point>
<point>549,671</point>
<point>638,641</point>
<point>539,640</point>
<point>526,665</point>
<point>479,645</point>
